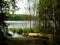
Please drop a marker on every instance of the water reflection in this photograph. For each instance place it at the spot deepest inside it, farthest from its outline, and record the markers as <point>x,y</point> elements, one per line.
<point>19,24</point>
<point>14,35</point>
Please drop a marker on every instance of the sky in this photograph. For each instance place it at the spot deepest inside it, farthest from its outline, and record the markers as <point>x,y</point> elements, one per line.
<point>22,4</point>
<point>24,7</point>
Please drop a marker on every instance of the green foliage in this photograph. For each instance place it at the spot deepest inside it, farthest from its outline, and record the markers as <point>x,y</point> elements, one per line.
<point>57,23</point>
<point>36,30</point>
<point>19,31</point>
<point>19,17</point>
<point>53,10</point>
<point>27,30</point>
<point>2,18</point>
<point>13,29</point>
<point>46,13</point>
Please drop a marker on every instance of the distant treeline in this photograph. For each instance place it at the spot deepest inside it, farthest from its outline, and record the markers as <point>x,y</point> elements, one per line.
<point>20,17</point>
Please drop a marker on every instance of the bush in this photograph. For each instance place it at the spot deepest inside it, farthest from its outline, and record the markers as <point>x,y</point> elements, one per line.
<point>13,29</point>
<point>27,30</point>
<point>36,30</point>
<point>19,31</point>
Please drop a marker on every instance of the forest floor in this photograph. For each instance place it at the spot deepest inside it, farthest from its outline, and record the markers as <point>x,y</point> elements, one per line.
<point>25,41</point>
<point>21,41</point>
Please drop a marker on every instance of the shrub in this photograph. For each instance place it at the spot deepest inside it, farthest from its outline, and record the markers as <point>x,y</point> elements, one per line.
<point>27,30</point>
<point>19,31</point>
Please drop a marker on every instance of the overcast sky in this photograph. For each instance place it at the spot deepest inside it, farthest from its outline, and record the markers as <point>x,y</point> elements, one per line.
<point>22,4</point>
<point>24,7</point>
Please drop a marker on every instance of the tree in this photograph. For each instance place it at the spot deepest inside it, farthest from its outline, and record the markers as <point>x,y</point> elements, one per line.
<point>4,7</point>
<point>57,18</point>
<point>46,14</point>
<point>51,7</point>
<point>2,18</point>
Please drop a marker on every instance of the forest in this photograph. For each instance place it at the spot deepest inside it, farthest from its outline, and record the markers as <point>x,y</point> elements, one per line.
<point>19,17</point>
<point>46,30</point>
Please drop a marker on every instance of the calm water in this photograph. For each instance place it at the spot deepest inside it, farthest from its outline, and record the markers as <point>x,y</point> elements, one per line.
<point>19,24</point>
<point>14,35</point>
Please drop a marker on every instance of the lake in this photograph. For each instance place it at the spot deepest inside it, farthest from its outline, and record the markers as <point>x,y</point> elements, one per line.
<point>20,24</point>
